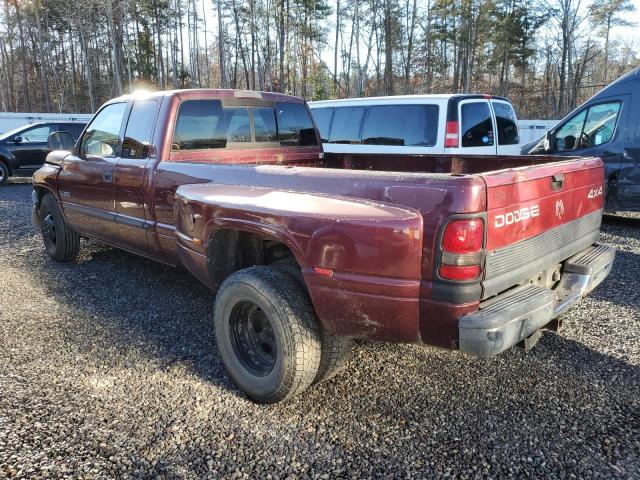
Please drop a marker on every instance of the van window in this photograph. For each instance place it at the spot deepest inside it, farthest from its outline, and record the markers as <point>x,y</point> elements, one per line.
<point>591,127</point>
<point>477,127</point>
<point>322,116</point>
<point>600,124</point>
<point>345,127</point>
<point>200,125</point>
<point>295,127</point>
<point>506,122</point>
<point>402,125</point>
<point>137,136</point>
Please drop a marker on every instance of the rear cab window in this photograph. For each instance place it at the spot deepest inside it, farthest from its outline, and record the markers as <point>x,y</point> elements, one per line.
<point>212,124</point>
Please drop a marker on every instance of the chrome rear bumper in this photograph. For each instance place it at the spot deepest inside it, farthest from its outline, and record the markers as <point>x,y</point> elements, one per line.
<point>511,317</point>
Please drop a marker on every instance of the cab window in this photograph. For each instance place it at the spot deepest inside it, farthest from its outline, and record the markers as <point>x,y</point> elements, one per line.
<point>591,127</point>
<point>103,134</point>
<point>477,126</point>
<point>200,126</point>
<point>137,136</point>
<point>295,126</point>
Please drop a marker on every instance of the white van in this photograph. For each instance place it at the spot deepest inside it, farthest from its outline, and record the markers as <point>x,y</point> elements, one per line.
<point>418,124</point>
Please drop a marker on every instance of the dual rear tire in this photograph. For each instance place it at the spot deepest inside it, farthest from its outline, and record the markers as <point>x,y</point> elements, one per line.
<point>269,337</point>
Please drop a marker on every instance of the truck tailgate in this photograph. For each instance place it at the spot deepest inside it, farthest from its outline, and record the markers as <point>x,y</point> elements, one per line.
<point>538,216</point>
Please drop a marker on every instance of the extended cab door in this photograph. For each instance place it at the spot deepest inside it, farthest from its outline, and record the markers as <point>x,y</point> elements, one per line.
<point>131,174</point>
<point>86,181</point>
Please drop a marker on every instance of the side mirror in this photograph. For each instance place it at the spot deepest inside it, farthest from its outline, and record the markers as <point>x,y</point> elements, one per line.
<point>17,139</point>
<point>60,141</point>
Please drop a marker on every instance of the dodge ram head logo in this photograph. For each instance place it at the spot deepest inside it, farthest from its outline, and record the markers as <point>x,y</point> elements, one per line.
<point>516,216</point>
<point>559,208</point>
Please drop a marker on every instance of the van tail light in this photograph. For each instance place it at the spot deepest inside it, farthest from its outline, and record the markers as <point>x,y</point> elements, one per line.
<point>451,135</point>
<point>462,242</point>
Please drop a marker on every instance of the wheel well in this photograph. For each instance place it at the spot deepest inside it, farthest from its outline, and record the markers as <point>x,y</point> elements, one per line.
<point>6,163</point>
<point>233,250</point>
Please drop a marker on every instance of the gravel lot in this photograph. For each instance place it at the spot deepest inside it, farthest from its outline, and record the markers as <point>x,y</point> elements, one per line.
<point>108,367</point>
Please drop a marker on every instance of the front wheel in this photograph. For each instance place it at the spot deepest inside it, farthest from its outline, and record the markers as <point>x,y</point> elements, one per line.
<point>4,173</point>
<point>267,334</point>
<point>61,242</point>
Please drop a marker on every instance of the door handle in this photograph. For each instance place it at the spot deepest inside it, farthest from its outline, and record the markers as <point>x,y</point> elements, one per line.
<point>557,181</point>
<point>107,176</point>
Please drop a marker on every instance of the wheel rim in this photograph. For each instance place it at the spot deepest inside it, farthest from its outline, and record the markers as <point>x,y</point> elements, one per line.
<point>49,229</point>
<point>252,337</point>
<point>1,174</point>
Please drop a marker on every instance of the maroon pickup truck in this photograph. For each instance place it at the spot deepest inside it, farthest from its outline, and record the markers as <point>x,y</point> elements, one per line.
<point>307,251</point>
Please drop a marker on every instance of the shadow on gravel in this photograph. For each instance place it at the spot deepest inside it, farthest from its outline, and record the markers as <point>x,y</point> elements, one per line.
<point>140,304</point>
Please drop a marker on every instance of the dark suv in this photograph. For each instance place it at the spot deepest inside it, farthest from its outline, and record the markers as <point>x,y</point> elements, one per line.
<point>23,150</point>
<point>606,126</point>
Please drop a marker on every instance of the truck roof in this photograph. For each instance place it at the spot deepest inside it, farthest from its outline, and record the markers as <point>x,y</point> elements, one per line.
<point>210,93</point>
<point>402,98</point>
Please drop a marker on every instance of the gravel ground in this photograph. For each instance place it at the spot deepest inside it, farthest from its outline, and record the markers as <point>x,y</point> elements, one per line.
<point>108,368</point>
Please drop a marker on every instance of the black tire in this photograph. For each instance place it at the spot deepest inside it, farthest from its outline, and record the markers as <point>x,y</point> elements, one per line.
<point>61,242</point>
<point>336,352</point>
<point>4,173</point>
<point>267,334</point>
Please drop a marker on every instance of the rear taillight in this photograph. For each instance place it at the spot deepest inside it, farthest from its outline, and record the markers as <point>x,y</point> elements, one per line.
<point>462,242</point>
<point>451,135</point>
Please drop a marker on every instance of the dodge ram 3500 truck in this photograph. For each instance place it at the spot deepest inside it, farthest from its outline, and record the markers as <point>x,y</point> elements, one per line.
<point>308,251</point>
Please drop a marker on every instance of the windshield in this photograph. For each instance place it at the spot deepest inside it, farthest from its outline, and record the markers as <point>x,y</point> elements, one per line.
<point>11,133</point>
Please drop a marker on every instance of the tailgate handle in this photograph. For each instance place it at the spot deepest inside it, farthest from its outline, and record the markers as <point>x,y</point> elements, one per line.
<point>557,181</point>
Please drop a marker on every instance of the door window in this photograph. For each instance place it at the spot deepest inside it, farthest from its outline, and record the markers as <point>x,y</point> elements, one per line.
<point>589,128</point>
<point>322,116</point>
<point>401,125</point>
<point>345,127</point>
<point>36,135</point>
<point>600,124</point>
<point>200,126</point>
<point>477,126</point>
<point>506,122</point>
<point>103,135</point>
<point>137,136</point>
<point>295,127</point>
